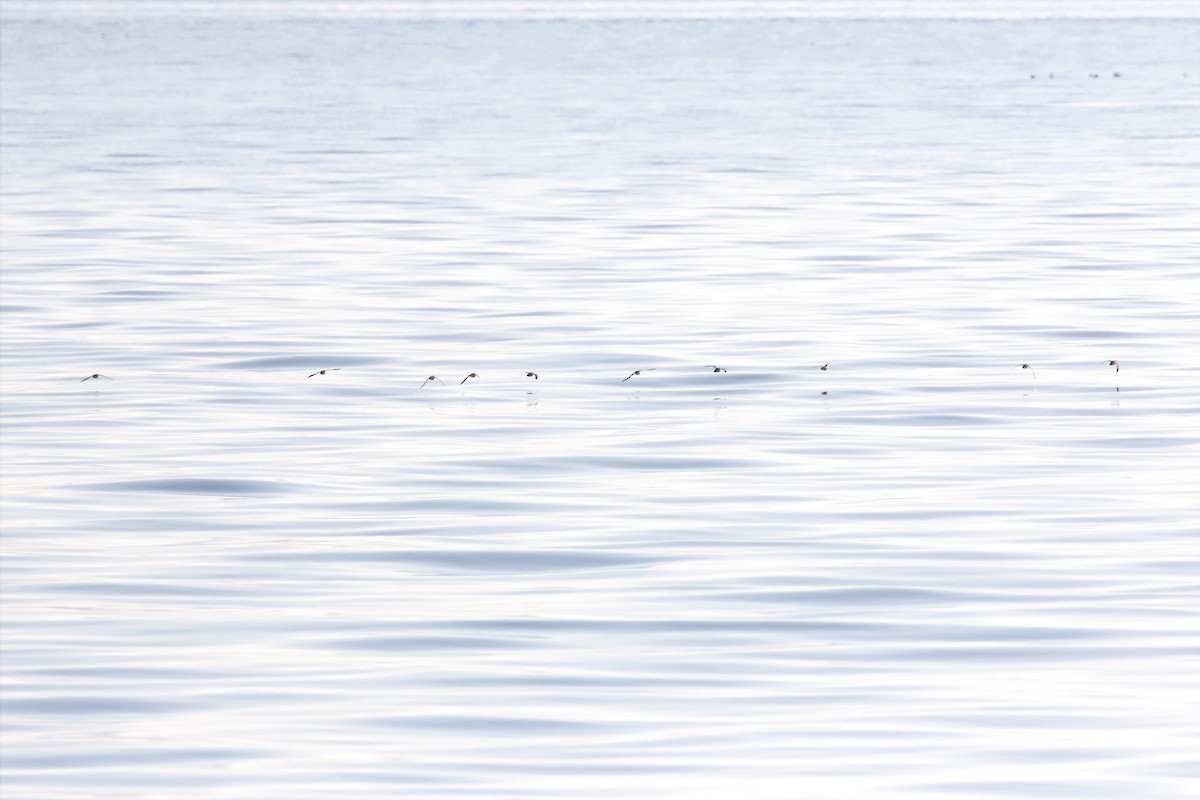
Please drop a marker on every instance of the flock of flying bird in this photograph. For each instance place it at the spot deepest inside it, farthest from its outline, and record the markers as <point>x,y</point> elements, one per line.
<point>1026,366</point>
<point>534,375</point>
<point>1033,75</point>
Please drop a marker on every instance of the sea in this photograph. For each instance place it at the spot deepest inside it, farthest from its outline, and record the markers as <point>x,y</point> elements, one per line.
<point>726,399</point>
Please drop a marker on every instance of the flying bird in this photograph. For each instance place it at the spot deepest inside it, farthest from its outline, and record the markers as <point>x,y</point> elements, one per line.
<point>715,368</point>
<point>824,368</point>
<point>638,372</point>
<point>323,371</point>
<point>464,380</point>
<point>531,375</point>
<point>1026,366</point>
<point>432,378</point>
<point>1115,364</point>
<point>96,376</point>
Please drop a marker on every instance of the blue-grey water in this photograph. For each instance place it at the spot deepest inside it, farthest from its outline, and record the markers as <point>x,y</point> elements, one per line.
<point>924,572</point>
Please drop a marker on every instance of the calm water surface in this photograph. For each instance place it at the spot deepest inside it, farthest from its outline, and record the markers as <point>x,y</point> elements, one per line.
<point>922,573</point>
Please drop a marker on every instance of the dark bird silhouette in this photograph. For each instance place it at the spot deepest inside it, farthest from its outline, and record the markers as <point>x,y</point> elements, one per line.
<point>96,376</point>
<point>1115,364</point>
<point>715,368</point>
<point>464,380</point>
<point>824,368</point>
<point>1026,366</point>
<point>531,375</point>
<point>433,378</point>
<point>323,371</point>
<point>638,372</point>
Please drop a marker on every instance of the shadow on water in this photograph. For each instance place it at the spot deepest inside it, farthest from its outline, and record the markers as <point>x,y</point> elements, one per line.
<point>221,487</point>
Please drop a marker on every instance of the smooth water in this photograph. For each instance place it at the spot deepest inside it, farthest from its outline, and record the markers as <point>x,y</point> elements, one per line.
<point>922,573</point>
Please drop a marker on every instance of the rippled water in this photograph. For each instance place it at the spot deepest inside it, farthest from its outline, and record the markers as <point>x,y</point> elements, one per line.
<point>924,572</point>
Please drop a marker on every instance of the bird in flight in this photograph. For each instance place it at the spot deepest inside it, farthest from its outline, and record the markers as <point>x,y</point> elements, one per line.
<point>638,372</point>
<point>531,375</point>
<point>96,376</point>
<point>1026,366</point>
<point>1115,364</point>
<point>432,378</point>
<point>715,368</point>
<point>824,368</point>
<point>464,380</point>
<point>323,371</point>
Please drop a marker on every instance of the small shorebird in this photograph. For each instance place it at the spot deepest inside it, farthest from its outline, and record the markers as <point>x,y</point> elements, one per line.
<point>715,368</point>
<point>824,368</point>
<point>432,378</point>
<point>1115,364</point>
<point>96,376</point>
<point>323,371</point>
<point>531,375</point>
<point>1026,366</point>
<point>638,372</point>
<point>464,380</point>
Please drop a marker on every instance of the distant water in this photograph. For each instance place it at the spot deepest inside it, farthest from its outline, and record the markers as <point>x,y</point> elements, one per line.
<point>924,572</point>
